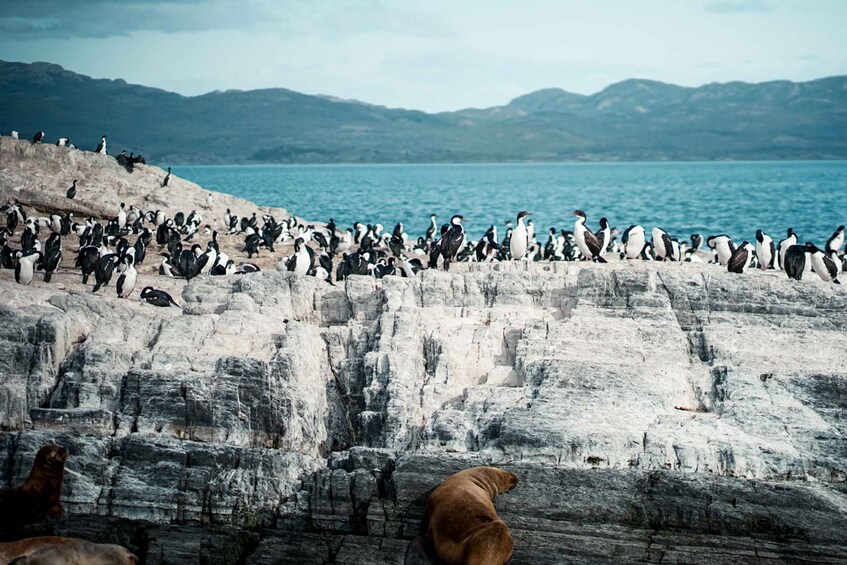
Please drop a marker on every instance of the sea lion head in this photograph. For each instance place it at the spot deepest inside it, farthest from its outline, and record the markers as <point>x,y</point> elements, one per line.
<point>51,457</point>
<point>493,479</point>
<point>510,481</point>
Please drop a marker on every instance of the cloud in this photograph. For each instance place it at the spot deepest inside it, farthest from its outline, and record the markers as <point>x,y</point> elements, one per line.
<point>101,18</point>
<point>738,6</point>
<point>59,19</point>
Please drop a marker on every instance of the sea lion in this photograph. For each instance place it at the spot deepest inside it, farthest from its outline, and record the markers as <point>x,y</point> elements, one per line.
<point>38,497</point>
<point>52,550</point>
<point>460,520</point>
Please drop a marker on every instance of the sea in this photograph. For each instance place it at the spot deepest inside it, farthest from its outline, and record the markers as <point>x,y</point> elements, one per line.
<point>735,198</point>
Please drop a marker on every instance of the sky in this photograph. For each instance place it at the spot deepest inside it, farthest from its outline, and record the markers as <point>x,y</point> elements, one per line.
<point>437,55</point>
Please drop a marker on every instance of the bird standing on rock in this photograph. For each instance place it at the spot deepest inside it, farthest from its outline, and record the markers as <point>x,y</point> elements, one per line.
<point>167,178</point>
<point>126,282</point>
<point>450,243</point>
<point>25,266</point>
<point>101,147</point>
<point>589,244</point>
<point>72,190</point>
<point>519,241</point>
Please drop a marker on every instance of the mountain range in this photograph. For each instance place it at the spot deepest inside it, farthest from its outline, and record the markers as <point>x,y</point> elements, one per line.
<point>633,120</point>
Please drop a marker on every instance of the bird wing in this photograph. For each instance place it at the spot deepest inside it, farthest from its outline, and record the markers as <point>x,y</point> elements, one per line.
<point>666,241</point>
<point>592,242</point>
<point>830,266</point>
<point>453,241</point>
<point>737,261</point>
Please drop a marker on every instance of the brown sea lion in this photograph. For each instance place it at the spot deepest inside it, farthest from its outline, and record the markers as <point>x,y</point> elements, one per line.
<point>38,497</point>
<point>461,522</point>
<point>52,550</point>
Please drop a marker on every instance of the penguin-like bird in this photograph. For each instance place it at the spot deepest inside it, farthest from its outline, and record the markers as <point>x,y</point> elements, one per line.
<point>589,244</point>
<point>782,248</point>
<point>835,241</point>
<point>741,258</point>
<point>519,241</point>
<point>301,262</point>
<point>822,264</point>
<point>723,246</point>
<point>38,137</point>
<point>52,256</point>
<point>633,240</point>
<point>72,191</point>
<point>167,178</point>
<point>765,250</point>
<point>662,245</point>
<point>126,281</point>
<point>25,266</point>
<point>101,147</point>
<point>796,259</point>
<point>104,270</point>
<point>157,297</point>
<point>452,241</point>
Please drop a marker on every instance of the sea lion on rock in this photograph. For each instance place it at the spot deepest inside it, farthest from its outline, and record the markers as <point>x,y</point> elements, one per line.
<point>38,497</point>
<point>52,550</point>
<point>461,522</point>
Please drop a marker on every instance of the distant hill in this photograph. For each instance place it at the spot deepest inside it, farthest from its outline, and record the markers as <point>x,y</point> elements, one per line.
<point>628,121</point>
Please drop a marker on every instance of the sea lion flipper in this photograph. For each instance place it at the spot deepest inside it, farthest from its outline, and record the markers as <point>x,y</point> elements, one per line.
<point>415,552</point>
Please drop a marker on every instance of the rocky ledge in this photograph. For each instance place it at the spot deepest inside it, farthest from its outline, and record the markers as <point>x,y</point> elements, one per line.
<point>654,412</point>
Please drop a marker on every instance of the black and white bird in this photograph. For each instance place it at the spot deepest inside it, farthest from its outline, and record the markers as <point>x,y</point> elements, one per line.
<point>52,256</point>
<point>765,250</point>
<point>301,262</point>
<point>782,248</point>
<point>519,242</point>
<point>157,297</point>
<point>62,142</point>
<point>38,137</point>
<point>432,229</point>
<point>633,240</point>
<point>604,235</point>
<point>122,216</point>
<point>25,266</point>
<point>589,244</point>
<point>723,246</point>
<point>126,281</point>
<point>451,242</point>
<point>72,190</point>
<point>86,259</point>
<point>167,178</point>
<point>835,241</point>
<point>822,264</point>
<point>741,258</point>
<point>223,269</point>
<point>662,245</point>
<point>167,268</point>
<point>104,270</point>
<point>101,147</point>
<point>797,261</point>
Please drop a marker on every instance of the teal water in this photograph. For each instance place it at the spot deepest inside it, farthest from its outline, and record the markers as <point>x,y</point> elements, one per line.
<point>683,198</point>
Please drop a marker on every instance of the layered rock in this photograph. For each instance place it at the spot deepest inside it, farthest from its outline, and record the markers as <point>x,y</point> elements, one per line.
<point>656,412</point>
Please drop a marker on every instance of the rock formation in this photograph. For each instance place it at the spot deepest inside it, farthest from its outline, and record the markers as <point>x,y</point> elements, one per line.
<point>658,412</point>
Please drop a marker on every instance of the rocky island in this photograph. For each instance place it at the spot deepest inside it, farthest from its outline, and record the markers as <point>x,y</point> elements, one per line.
<point>658,412</point>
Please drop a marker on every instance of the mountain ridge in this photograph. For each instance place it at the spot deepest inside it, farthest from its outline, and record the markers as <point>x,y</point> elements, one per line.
<point>635,119</point>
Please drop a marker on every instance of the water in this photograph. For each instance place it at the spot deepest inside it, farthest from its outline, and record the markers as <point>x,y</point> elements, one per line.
<point>683,198</point>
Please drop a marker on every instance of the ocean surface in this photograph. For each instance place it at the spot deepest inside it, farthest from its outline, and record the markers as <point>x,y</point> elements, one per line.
<point>736,198</point>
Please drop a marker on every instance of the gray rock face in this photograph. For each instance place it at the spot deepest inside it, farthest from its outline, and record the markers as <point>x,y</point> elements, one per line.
<point>652,412</point>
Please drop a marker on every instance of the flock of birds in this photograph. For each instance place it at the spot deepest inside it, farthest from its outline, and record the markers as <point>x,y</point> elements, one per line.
<point>119,244</point>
